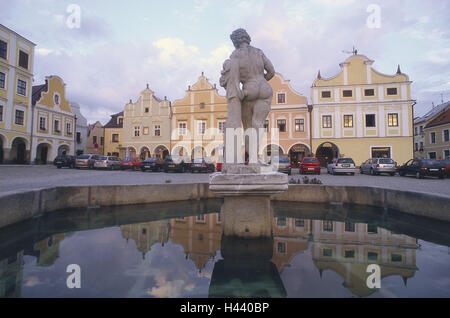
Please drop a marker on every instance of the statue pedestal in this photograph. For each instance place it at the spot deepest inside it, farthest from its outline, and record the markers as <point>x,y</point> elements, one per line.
<point>246,211</point>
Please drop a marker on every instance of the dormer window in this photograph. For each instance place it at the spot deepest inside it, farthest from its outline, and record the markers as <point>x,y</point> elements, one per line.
<point>120,120</point>
<point>281,98</point>
<point>56,99</point>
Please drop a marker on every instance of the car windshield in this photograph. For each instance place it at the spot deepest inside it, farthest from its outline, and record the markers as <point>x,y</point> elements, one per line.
<point>386,161</point>
<point>83,157</point>
<point>310,160</point>
<point>151,160</point>
<point>345,160</point>
<point>197,160</point>
<point>102,158</point>
<point>128,159</point>
<point>430,162</point>
<point>283,159</point>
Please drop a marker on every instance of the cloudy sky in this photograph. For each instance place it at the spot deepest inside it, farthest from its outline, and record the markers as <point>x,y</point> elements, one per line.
<point>121,46</point>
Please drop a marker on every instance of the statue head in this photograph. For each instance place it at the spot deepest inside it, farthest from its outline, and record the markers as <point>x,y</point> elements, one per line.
<point>240,36</point>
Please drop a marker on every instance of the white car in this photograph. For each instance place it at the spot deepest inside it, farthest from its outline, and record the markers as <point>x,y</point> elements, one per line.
<point>342,165</point>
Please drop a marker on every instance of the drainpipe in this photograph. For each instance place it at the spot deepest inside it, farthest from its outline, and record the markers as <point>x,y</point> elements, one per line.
<point>310,108</point>
<point>74,130</point>
<point>31,135</point>
<point>412,124</point>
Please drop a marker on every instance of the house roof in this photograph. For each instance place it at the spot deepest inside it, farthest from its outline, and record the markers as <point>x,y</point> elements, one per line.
<point>441,119</point>
<point>36,92</point>
<point>433,112</point>
<point>113,122</point>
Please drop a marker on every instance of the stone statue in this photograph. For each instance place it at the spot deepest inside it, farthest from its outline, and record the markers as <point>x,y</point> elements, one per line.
<point>249,67</point>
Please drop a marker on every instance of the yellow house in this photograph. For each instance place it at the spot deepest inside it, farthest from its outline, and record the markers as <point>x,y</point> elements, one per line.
<point>437,136</point>
<point>95,139</point>
<point>113,136</point>
<point>16,74</point>
<point>361,113</point>
<point>53,128</point>
<point>198,121</point>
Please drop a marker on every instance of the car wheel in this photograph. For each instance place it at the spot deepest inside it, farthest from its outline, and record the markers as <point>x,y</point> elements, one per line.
<point>392,174</point>
<point>361,171</point>
<point>401,173</point>
<point>372,173</point>
<point>59,166</point>
<point>441,176</point>
<point>419,175</point>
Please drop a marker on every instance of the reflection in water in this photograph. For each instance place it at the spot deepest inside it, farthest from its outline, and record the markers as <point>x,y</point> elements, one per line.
<point>173,242</point>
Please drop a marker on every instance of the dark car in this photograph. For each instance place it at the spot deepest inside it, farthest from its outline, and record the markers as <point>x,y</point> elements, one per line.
<point>152,164</point>
<point>85,161</point>
<point>310,165</point>
<point>176,163</point>
<point>64,161</point>
<point>130,163</point>
<point>423,167</point>
<point>200,165</point>
<point>446,163</point>
<point>284,165</point>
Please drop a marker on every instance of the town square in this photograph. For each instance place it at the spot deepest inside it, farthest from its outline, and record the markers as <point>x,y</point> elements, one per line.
<point>245,151</point>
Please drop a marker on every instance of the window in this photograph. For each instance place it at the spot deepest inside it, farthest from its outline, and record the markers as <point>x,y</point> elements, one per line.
<point>432,155</point>
<point>326,94</point>
<point>349,254</point>
<point>102,141</point>
<point>281,123</point>
<point>349,227</point>
<point>147,109</point>
<point>372,256</point>
<point>416,131</point>
<point>416,146</point>
<point>94,140</point>
<point>202,105</point>
<point>221,127</point>
<point>327,226</point>
<point>201,217</point>
<point>56,126</point>
<point>1,113</point>
<point>21,87</point>
<point>20,114</point>
<point>266,125</point>
<point>137,131</point>
<point>157,130</point>
<point>146,131</point>
<point>328,252</point>
<point>3,49</point>
<point>281,98</point>
<point>182,129</point>
<point>56,99</point>
<point>446,135</point>
<point>369,92</point>
<point>120,120</point>
<point>281,247</point>
<point>370,120</point>
<point>393,120</point>
<point>348,121</point>
<point>115,138</point>
<point>381,152</point>
<point>421,145</point>
<point>201,127</point>
<point>392,91</point>
<point>421,129</point>
<point>347,93</point>
<point>23,59</point>
<point>446,154</point>
<point>326,121</point>
<point>42,123</point>
<point>396,257</point>
<point>372,229</point>
<point>299,125</point>
<point>2,80</point>
<point>299,223</point>
<point>69,128</point>
<point>281,221</point>
<point>433,137</point>
<point>79,137</point>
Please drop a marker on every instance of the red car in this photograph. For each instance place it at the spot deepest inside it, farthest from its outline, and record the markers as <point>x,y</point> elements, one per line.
<point>130,163</point>
<point>310,165</point>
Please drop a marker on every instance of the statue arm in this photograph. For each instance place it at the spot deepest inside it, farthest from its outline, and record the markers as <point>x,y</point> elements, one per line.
<point>268,66</point>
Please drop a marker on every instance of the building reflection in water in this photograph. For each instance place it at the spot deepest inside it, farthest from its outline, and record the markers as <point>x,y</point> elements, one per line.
<point>342,247</point>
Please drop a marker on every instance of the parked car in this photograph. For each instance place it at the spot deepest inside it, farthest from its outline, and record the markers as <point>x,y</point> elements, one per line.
<point>446,163</point>
<point>200,165</point>
<point>85,161</point>
<point>284,165</point>
<point>219,166</point>
<point>310,165</point>
<point>376,166</point>
<point>175,163</point>
<point>341,165</point>
<point>64,161</point>
<point>107,162</point>
<point>153,164</point>
<point>423,167</point>
<point>130,163</point>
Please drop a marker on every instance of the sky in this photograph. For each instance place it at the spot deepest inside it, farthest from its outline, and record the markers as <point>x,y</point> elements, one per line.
<point>120,46</point>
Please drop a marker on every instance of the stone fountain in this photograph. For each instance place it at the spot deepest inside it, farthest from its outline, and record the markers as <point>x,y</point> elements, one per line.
<point>247,183</point>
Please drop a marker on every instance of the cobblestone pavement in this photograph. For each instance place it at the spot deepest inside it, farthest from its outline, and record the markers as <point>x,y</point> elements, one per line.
<point>20,178</point>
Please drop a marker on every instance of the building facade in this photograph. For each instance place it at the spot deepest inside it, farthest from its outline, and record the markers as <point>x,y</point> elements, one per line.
<point>80,130</point>
<point>16,75</point>
<point>198,122</point>
<point>437,136</point>
<point>289,113</point>
<point>113,136</point>
<point>53,121</point>
<point>146,126</point>
<point>422,144</point>
<point>361,113</point>
<point>95,139</point>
